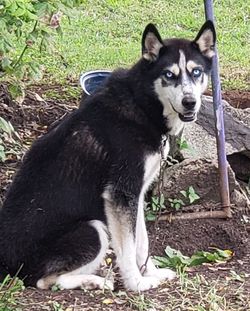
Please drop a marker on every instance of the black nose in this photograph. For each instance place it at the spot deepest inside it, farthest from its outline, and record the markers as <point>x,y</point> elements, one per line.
<point>188,102</point>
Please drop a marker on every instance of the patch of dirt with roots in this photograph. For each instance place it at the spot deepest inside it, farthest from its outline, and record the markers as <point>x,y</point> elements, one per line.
<point>200,287</point>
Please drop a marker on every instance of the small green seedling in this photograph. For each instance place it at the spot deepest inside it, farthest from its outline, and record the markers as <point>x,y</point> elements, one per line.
<point>57,306</point>
<point>183,144</point>
<point>176,203</point>
<point>55,288</point>
<point>190,194</point>
<point>154,207</point>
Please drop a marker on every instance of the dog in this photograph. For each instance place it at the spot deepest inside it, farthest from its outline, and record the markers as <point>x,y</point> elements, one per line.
<point>86,178</point>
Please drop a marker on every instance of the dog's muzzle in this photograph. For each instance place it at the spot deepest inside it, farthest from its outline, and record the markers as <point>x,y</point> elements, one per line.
<point>189,105</point>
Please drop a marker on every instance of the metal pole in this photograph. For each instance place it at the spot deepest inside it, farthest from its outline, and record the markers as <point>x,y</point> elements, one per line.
<point>219,122</point>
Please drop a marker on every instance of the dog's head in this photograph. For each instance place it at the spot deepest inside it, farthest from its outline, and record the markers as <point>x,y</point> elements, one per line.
<point>181,68</point>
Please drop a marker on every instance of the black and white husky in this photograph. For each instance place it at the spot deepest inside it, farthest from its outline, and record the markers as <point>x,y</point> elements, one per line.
<point>88,175</point>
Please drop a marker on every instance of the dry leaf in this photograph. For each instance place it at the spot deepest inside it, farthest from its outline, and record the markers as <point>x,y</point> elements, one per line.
<point>108,261</point>
<point>108,301</point>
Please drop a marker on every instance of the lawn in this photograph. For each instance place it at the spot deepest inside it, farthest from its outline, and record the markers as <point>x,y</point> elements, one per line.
<point>107,34</point>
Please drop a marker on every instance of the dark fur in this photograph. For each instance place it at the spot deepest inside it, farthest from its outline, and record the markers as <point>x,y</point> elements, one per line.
<point>43,223</point>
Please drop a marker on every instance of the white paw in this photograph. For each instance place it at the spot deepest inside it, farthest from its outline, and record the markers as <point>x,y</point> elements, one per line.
<point>161,274</point>
<point>101,283</point>
<point>142,284</point>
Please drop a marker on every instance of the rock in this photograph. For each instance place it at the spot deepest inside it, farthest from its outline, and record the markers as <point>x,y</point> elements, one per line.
<point>202,175</point>
<point>201,140</point>
<point>237,123</point>
<point>201,144</point>
<point>201,135</point>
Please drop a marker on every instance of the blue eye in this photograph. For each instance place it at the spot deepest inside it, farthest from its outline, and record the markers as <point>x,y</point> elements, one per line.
<point>168,74</point>
<point>196,72</point>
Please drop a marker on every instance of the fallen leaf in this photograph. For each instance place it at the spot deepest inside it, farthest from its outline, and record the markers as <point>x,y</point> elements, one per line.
<point>108,301</point>
<point>108,261</point>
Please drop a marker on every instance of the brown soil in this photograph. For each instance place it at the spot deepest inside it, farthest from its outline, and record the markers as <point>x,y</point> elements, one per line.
<point>237,99</point>
<point>31,119</point>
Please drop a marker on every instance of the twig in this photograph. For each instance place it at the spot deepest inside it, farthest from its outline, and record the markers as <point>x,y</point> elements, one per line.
<point>196,215</point>
<point>25,48</point>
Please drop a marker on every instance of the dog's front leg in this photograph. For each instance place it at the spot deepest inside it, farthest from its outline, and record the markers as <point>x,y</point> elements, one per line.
<point>122,225</point>
<point>144,262</point>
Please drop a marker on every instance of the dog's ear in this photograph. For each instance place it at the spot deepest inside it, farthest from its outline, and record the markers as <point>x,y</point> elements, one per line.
<point>151,43</point>
<point>206,38</point>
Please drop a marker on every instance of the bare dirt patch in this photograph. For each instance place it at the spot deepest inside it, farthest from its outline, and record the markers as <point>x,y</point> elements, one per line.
<point>237,99</point>
<point>31,119</point>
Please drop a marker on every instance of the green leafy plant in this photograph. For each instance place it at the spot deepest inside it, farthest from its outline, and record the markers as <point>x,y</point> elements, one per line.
<point>190,194</point>
<point>55,288</point>
<point>158,204</point>
<point>8,143</point>
<point>182,144</point>
<point>57,306</point>
<point>175,259</point>
<point>27,25</point>
<point>176,203</point>
<point>154,207</point>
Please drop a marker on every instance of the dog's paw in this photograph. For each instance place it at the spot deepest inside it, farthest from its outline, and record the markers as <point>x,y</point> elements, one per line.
<point>142,284</point>
<point>98,283</point>
<point>161,274</point>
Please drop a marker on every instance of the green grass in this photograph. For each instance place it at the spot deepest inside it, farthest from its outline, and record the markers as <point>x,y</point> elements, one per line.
<point>10,288</point>
<point>107,34</point>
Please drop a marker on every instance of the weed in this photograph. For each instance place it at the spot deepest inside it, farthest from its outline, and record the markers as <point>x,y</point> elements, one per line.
<point>55,288</point>
<point>183,144</point>
<point>176,203</point>
<point>175,259</point>
<point>9,288</point>
<point>190,194</point>
<point>8,144</point>
<point>57,306</point>
<point>154,207</point>
<point>158,204</point>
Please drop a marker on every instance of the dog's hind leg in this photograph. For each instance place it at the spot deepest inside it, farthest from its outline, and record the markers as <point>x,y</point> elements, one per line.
<point>145,262</point>
<point>77,253</point>
<point>122,222</point>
